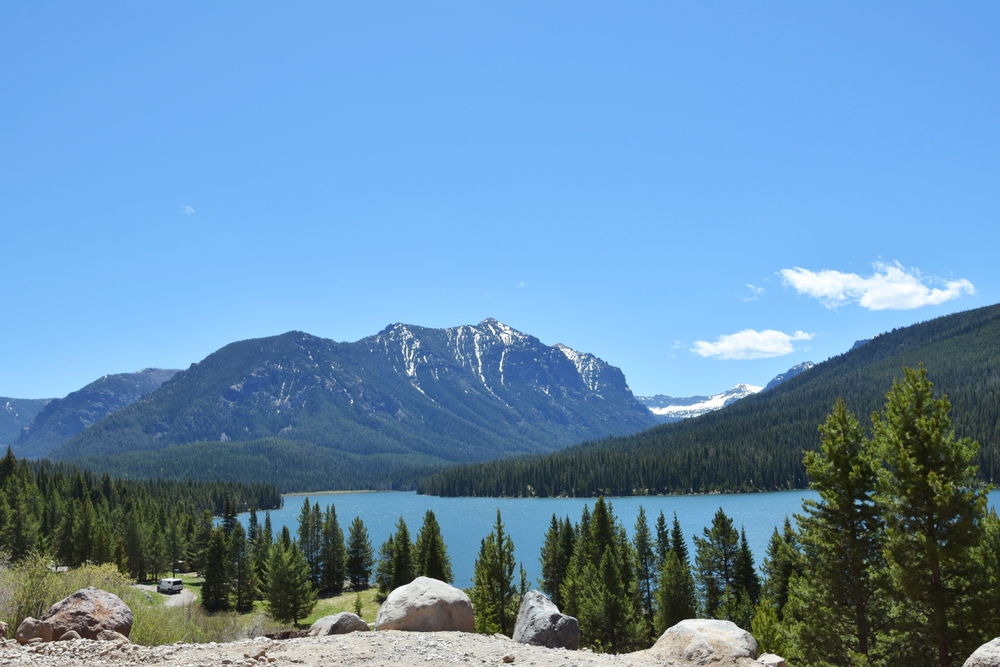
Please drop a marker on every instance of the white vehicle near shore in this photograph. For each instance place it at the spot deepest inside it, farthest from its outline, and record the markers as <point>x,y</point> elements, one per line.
<point>170,586</point>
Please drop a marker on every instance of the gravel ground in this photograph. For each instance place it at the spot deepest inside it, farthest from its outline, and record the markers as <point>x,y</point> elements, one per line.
<point>359,649</point>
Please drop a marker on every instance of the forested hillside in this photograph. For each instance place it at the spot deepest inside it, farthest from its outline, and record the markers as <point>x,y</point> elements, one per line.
<point>62,418</point>
<point>406,396</point>
<point>757,443</point>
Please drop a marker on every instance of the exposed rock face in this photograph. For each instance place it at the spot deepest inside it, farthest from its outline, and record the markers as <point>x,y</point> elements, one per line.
<point>987,655</point>
<point>540,623</point>
<point>338,624</point>
<point>89,611</point>
<point>771,660</point>
<point>426,605</point>
<point>700,642</point>
<point>3,630</point>
<point>31,629</point>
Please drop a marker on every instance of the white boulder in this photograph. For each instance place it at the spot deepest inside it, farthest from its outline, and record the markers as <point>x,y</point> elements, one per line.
<point>426,605</point>
<point>702,642</point>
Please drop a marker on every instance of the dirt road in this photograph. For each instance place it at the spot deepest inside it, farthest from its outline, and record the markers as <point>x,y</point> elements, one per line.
<point>182,599</point>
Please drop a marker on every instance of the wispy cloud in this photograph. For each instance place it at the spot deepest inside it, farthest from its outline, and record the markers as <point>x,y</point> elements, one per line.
<point>755,292</point>
<point>522,285</point>
<point>892,287</point>
<point>187,210</point>
<point>750,344</point>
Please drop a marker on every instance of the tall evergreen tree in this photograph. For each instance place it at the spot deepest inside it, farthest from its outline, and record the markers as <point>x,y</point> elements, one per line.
<point>217,586</point>
<point>557,550</point>
<point>289,594</point>
<point>646,570</point>
<point>402,556</point>
<point>383,571</point>
<point>836,609</point>
<point>198,546</point>
<point>430,556</point>
<point>310,532</point>
<point>716,561</point>
<point>933,512</point>
<point>360,557</point>
<point>494,596</point>
<point>677,543</point>
<point>244,575</point>
<point>676,598</point>
<point>229,519</point>
<point>782,561</point>
<point>662,539</point>
<point>332,552</point>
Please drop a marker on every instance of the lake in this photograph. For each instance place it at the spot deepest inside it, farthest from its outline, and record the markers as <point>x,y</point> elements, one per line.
<point>466,521</point>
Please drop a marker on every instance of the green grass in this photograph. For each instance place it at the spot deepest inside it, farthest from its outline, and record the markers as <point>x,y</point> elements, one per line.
<point>344,602</point>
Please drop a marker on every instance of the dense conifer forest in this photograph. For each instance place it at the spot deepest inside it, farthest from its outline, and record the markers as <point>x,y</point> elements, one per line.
<point>77,517</point>
<point>756,444</point>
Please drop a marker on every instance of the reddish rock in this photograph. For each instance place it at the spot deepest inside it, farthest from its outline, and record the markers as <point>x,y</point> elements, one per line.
<point>89,612</point>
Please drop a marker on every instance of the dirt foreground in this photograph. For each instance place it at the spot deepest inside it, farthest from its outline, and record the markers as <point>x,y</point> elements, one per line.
<point>359,649</point>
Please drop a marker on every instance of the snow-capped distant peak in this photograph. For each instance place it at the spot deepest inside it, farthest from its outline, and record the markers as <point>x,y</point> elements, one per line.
<point>675,409</point>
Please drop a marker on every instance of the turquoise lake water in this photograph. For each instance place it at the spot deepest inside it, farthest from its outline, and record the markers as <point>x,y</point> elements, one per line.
<point>466,521</point>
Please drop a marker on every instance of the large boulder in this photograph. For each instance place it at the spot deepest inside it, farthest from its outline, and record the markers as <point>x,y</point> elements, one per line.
<point>540,623</point>
<point>338,624</point>
<point>700,642</point>
<point>32,628</point>
<point>89,611</point>
<point>987,655</point>
<point>426,605</point>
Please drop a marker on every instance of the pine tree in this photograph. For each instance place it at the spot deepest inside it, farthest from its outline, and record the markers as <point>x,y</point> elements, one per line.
<point>835,608</point>
<point>360,557</point>
<point>782,561</point>
<point>402,556</point>
<point>229,519</point>
<point>217,586</point>
<point>383,572</point>
<point>310,539</point>
<point>716,561</point>
<point>677,543</point>
<point>430,555</point>
<point>493,595</point>
<point>645,561</point>
<point>746,581</point>
<point>332,552</point>
<point>198,546</point>
<point>662,540</point>
<point>557,550</point>
<point>244,575</point>
<point>933,512</point>
<point>676,598</point>
<point>261,552</point>
<point>289,594</point>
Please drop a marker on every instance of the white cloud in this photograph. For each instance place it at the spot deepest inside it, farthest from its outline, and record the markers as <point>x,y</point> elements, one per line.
<point>187,210</point>
<point>522,285</point>
<point>750,344</point>
<point>892,287</point>
<point>755,292</point>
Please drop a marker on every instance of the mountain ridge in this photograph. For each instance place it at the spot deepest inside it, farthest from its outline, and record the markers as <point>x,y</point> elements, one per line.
<point>62,418</point>
<point>425,396</point>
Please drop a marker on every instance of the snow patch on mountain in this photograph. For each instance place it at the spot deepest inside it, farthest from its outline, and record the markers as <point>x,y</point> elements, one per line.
<point>670,409</point>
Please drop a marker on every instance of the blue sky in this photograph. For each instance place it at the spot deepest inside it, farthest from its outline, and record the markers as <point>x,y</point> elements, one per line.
<point>699,193</point>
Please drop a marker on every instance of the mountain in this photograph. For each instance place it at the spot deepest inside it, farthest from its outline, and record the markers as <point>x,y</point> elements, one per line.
<point>795,370</point>
<point>408,395</point>
<point>756,443</point>
<point>668,409</point>
<point>63,418</point>
<point>17,413</point>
